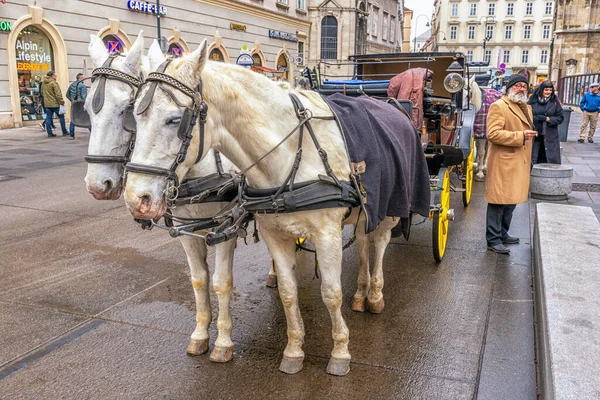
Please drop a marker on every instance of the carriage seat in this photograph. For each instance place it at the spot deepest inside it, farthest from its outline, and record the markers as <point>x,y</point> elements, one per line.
<point>355,88</point>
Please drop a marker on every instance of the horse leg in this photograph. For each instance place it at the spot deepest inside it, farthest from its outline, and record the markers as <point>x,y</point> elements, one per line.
<point>283,251</point>
<point>272,277</point>
<point>195,250</point>
<point>329,254</point>
<point>223,284</point>
<point>381,239</point>
<point>364,275</point>
<point>480,159</point>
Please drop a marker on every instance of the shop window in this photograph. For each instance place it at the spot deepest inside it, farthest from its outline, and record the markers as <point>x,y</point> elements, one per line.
<point>216,55</point>
<point>257,60</point>
<point>34,58</point>
<point>113,43</point>
<point>175,50</point>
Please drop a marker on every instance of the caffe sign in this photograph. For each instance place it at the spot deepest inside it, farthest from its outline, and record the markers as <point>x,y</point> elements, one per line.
<point>144,6</point>
<point>283,35</point>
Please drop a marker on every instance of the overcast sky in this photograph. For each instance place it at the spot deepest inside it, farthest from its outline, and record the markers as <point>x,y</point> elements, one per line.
<point>420,7</point>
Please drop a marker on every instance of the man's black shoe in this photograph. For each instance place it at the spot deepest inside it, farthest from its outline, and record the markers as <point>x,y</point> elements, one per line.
<point>510,240</point>
<point>499,249</point>
<point>580,140</point>
<point>52,135</point>
<point>590,140</point>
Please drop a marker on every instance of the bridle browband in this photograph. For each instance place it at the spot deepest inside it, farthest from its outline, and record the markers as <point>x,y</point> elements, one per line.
<point>104,73</point>
<point>198,111</point>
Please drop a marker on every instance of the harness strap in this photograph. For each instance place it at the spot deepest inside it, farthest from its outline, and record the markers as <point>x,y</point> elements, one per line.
<point>98,100</point>
<point>314,195</point>
<point>93,159</point>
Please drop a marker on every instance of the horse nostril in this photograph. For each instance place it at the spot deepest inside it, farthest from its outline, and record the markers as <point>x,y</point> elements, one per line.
<point>145,200</point>
<point>108,184</point>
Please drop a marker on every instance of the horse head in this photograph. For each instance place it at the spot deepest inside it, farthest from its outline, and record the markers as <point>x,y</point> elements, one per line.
<point>106,105</point>
<point>162,112</point>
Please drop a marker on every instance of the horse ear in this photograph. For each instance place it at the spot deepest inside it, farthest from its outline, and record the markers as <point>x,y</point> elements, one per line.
<point>98,51</point>
<point>133,57</point>
<point>155,55</point>
<point>198,59</point>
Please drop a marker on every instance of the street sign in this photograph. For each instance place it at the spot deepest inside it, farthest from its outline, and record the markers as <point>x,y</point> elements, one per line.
<point>502,66</point>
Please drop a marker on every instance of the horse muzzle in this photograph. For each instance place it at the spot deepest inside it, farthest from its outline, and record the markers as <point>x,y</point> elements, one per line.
<point>145,205</point>
<point>106,189</point>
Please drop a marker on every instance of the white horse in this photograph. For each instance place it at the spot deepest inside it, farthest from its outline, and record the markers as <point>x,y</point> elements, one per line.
<point>248,116</point>
<point>104,181</point>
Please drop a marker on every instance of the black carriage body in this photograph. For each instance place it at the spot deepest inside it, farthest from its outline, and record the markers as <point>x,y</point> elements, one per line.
<point>446,132</point>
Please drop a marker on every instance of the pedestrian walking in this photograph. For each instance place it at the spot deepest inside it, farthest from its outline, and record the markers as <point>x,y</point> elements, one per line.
<point>43,123</point>
<point>53,101</point>
<point>76,91</point>
<point>590,105</point>
<point>547,116</point>
<point>509,134</point>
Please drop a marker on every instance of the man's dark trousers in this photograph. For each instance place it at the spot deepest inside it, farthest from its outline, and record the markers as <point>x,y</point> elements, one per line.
<point>498,222</point>
<point>61,118</point>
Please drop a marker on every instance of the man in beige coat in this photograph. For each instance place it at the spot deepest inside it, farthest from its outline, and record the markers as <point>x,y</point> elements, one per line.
<point>509,134</point>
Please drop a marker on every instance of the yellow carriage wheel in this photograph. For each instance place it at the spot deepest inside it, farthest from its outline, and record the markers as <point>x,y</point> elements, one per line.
<point>468,170</point>
<point>440,217</point>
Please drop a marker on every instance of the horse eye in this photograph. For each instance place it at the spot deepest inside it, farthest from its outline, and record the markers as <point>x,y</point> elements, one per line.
<point>174,121</point>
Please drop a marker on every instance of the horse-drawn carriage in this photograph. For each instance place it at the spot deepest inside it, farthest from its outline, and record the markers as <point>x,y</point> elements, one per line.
<point>441,115</point>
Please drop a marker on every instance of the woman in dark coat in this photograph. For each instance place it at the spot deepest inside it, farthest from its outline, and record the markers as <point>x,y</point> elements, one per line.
<point>547,116</point>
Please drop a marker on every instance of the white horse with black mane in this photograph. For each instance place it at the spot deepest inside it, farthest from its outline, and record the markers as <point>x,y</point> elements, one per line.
<point>116,81</point>
<point>256,123</point>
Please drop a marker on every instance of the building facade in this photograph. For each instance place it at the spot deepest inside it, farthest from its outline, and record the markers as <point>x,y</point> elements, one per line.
<point>576,38</point>
<point>406,29</point>
<point>341,28</point>
<point>512,35</point>
<point>55,35</point>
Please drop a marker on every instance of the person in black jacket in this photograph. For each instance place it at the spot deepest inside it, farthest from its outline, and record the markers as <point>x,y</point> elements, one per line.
<point>547,116</point>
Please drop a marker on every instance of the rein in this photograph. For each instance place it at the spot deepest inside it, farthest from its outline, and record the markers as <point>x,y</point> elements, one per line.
<point>104,73</point>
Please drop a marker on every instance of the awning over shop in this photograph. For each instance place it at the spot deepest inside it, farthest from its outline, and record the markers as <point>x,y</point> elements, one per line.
<point>265,69</point>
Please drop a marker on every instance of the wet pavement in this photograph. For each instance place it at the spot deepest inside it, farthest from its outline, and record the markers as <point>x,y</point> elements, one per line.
<point>92,307</point>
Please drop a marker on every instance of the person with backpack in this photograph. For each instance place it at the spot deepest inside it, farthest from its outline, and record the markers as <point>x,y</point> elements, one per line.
<point>76,91</point>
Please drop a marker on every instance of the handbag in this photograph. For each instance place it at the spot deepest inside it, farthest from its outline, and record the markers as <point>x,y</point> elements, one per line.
<point>62,109</point>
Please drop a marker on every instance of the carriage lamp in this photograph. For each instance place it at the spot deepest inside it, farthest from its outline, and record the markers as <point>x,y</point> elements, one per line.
<point>453,82</point>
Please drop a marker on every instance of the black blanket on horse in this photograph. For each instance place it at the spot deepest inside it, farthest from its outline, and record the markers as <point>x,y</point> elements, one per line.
<point>396,177</point>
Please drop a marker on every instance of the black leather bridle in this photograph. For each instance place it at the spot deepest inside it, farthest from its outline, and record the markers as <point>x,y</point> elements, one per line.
<point>198,111</point>
<point>102,74</point>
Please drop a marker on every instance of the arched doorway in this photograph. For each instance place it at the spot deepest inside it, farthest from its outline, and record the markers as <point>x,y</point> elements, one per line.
<point>35,19</point>
<point>216,55</point>
<point>35,57</point>
<point>283,66</point>
<point>257,60</point>
<point>175,50</point>
<point>114,44</point>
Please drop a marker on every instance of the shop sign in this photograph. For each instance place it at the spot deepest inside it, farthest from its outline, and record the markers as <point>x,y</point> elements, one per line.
<point>145,7</point>
<point>283,36</point>
<point>5,26</point>
<point>245,60</point>
<point>237,27</point>
<point>31,57</point>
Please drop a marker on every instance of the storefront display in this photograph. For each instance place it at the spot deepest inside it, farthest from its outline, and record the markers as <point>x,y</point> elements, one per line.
<point>175,50</point>
<point>216,55</point>
<point>113,43</point>
<point>34,59</point>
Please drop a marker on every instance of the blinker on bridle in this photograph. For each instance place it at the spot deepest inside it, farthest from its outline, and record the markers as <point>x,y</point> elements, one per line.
<point>198,111</point>
<point>102,74</point>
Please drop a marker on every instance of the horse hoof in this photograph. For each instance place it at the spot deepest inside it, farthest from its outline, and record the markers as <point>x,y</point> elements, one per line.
<point>376,307</point>
<point>479,177</point>
<point>197,347</point>
<point>291,365</point>
<point>272,281</point>
<point>358,304</point>
<point>338,366</point>
<point>221,354</point>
